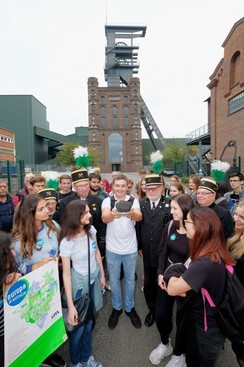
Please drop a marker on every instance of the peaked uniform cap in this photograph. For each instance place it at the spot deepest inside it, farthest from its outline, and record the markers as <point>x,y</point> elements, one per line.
<point>79,175</point>
<point>48,193</point>
<point>208,184</point>
<point>153,179</point>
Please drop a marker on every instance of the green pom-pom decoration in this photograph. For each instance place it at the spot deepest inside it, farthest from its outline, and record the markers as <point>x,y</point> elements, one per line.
<point>218,175</point>
<point>157,167</point>
<point>52,184</point>
<point>83,161</point>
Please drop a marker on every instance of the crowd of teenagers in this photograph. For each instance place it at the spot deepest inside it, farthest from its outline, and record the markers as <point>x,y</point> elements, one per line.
<point>95,231</point>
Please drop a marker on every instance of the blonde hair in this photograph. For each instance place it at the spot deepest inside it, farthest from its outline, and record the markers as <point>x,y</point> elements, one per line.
<point>235,244</point>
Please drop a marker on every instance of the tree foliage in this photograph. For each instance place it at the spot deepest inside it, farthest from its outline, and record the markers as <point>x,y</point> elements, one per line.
<point>67,157</point>
<point>174,153</point>
<point>66,154</point>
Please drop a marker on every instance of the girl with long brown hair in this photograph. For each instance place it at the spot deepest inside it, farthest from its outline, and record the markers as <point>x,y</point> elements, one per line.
<point>76,235</point>
<point>35,235</point>
<point>35,242</point>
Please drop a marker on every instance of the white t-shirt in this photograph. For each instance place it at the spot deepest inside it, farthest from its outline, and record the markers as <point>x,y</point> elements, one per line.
<point>76,248</point>
<point>121,233</point>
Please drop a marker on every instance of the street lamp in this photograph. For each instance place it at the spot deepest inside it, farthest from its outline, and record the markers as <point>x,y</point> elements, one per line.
<point>230,144</point>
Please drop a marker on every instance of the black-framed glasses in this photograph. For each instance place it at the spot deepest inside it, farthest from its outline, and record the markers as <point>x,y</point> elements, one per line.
<point>234,181</point>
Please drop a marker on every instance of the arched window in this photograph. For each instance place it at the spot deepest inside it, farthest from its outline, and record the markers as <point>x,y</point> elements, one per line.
<point>115,148</point>
<point>235,69</point>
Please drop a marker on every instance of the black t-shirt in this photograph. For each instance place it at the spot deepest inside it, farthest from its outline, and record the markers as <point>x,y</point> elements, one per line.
<point>177,247</point>
<point>203,273</point>
<point>173,246</point>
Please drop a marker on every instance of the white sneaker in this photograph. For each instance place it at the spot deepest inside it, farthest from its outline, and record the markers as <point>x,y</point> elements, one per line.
<point>177,361</point>
<point>159,353</point>
<point>92,362</point>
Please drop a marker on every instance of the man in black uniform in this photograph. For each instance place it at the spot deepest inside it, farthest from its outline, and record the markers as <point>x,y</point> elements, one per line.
<point>155,210</point>
<point>206,195</point>
<point>81,185</point>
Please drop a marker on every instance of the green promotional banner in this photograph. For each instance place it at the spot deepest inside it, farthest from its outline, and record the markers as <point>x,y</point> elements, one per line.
<point>33,320</point>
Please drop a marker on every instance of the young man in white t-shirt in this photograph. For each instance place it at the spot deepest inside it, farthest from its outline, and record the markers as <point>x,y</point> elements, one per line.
<point>121,248</point>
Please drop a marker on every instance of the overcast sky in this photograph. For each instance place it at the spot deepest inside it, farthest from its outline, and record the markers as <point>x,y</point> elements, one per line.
<point>49,48</point>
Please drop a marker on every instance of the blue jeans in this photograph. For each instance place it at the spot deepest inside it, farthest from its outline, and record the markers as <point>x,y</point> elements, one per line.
<point>208,345</point>
<point>114,262</point>
<point>80,339</point>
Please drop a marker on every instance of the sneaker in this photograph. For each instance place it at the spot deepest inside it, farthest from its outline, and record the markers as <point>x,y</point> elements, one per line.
<point>135,319</point>
<point>92,362</point>
<point>177,361</point>
<point>114,317</point>
<point>159,353</point>
<point>54,360</point>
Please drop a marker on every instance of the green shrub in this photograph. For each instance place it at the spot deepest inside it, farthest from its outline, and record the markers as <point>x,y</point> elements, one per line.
<point>185,179</point>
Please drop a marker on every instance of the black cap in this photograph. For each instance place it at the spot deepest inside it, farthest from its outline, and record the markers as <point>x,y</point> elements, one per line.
<point>48,193</point>
<point>208,184</point>
<point>153,179</point>
<point>79,175</point>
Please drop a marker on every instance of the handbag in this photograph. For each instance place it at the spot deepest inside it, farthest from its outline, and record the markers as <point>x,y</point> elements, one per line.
<point>83,304</point>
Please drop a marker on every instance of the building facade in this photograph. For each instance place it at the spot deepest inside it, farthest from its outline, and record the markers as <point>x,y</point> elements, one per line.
<point>7,145</point>
<point>115,125</point>
<point>22,114</point>
<point>226,104</point>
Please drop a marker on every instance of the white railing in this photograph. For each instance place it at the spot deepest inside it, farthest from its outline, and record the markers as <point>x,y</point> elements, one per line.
<point>203,130</point>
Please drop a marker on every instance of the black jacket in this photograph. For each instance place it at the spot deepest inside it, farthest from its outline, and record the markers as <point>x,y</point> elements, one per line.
<point>6,214</point>
<point>225,219</point>
<point>149,229</point>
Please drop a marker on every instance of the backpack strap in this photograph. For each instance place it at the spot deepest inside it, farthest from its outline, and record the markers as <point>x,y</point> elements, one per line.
<point>112,201</point>
<point>229,268</point>
<point>131,199</point>
<point>206,296</point>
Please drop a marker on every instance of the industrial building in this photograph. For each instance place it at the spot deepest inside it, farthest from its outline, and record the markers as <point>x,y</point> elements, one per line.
<point>117,111</point>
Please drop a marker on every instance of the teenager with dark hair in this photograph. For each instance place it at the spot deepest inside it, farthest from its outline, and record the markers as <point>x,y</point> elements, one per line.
<point>236,181</point>
<point>75,232</point>
<point>173,248</point>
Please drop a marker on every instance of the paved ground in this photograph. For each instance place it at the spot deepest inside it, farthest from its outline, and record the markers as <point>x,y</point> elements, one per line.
<point>126,346</point>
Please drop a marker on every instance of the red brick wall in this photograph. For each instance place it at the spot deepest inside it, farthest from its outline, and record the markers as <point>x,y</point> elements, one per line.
<point>225,127</point>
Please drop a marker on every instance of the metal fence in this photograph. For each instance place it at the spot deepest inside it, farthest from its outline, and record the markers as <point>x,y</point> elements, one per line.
<point>14,173</point>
